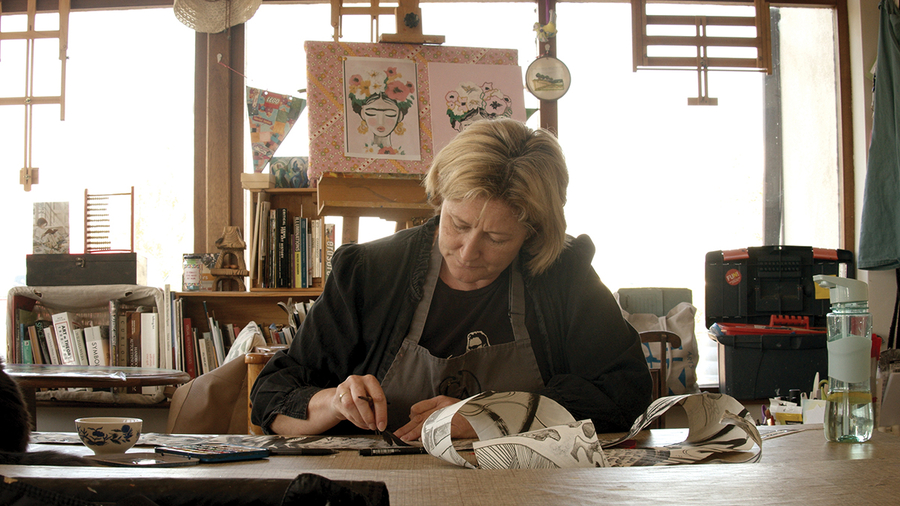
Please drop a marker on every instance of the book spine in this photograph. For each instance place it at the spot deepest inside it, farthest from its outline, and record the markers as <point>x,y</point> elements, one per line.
<point>36,350</point>
<point>190,366</point>
<point>304,252</point>
<point>216,341</point>
<point>80,346</point>
<point>271,260</point>
<point>62,326</point>
<point>295,242</point>
<point>150,338</point>
<point>133,340</point>
<point>195,337</point>
<point>27,354</point>
<point>113,332</point>
<point>178,334</point>
<point>122,337</point>
<point>317,249</point>
<point>50,339</point>
<point>329,248</point>
<point>211,352</point>
<point>166,350</point>
<point>97,349</point>
<point>204,354</point>
<point>39,327</point>
<point>284,245</point>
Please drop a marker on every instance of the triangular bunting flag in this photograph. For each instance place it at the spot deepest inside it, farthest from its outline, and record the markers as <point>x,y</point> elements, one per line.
<point>271,117</point>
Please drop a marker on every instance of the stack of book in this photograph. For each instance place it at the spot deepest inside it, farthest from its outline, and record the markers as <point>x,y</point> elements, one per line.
<point>290,251</point>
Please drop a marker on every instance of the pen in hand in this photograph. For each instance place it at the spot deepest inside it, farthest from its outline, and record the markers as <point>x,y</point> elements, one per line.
<point>387,435</point>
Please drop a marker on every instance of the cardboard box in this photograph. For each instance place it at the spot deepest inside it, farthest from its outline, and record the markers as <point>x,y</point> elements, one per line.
<point>92,269</point>
<point>770,365</point>
<point>257,181</point>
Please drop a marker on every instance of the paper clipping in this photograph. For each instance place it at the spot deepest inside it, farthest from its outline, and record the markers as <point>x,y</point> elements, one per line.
<point>521,430</point>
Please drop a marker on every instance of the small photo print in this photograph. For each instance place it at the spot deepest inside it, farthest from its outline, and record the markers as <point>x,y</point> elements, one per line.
<point>51,228</point>
<point>290,171</point>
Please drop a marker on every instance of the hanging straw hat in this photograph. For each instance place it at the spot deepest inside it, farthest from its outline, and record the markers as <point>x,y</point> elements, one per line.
<point>214,16</point>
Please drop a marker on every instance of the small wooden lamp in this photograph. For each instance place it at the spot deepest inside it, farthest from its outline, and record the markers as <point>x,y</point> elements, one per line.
<point>230,268</point>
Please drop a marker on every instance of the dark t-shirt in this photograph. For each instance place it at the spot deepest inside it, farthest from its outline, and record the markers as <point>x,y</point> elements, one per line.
<point>460,320</point>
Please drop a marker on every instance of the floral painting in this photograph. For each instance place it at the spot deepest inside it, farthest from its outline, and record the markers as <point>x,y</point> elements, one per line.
<point>381,110</point>
<point>463,94</point>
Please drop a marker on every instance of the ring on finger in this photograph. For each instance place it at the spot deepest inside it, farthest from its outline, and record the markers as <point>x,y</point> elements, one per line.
<point>340,397</point>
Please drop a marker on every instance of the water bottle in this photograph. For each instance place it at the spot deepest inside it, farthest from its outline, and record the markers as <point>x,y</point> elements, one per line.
<point>849,414</point>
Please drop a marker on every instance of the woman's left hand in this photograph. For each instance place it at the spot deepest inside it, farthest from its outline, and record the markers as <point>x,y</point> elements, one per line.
<point>420,411</point>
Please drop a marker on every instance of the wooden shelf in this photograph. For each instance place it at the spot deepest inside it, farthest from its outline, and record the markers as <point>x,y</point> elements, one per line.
<point>238,308</point>
<point>399,198</point>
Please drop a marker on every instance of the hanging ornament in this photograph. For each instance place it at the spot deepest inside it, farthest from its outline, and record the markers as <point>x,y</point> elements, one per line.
<point>546,32</point>
<point>547,78</point>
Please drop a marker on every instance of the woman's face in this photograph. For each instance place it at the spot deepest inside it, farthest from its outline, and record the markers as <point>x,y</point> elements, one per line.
<point>381,115</point>
<point>478,239</point>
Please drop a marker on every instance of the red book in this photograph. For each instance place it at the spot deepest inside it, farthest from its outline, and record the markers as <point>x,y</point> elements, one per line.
<point>190,365</point>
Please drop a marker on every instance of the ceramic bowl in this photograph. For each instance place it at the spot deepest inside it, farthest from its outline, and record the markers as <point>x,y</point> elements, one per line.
<point>109,434</point>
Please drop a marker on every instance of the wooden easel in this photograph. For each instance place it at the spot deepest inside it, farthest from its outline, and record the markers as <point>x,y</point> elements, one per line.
<point>408,16</point>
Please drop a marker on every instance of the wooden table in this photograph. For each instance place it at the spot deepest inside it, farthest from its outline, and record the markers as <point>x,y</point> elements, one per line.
<point>30,377</point>
<point>800,468</point>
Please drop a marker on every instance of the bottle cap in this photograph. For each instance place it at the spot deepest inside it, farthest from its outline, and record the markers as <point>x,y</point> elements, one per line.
<point>843,289</point>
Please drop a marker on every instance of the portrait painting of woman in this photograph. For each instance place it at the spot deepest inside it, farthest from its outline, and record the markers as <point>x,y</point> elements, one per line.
<point>381,114</point>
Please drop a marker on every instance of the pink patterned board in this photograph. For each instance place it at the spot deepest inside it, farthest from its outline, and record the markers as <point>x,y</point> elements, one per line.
<point>326,100</point>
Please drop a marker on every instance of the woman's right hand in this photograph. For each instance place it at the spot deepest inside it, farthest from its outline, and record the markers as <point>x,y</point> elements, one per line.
<point>361,401</point>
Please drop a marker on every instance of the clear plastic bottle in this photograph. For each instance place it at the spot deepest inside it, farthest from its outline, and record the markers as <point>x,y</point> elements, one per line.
<point>849,414</point>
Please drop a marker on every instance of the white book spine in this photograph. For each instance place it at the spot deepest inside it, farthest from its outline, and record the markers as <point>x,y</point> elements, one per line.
<point>62,327</point>
<point>97,341</point>
<point>150,344</point>
<point>204,355</point>
<point>166,355</point>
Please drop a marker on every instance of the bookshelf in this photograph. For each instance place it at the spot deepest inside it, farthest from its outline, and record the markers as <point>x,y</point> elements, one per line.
<point>394,197</point>
<point>298,202</point>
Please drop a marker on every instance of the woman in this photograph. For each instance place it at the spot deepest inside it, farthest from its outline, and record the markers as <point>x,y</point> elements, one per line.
<point>489,295</point>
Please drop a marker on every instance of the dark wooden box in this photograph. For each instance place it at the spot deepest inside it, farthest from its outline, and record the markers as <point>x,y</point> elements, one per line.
<point>93,269</point>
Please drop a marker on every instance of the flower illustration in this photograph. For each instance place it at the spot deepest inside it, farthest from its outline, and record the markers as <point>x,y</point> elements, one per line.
<point>373,84</point>
<point>469,102</point>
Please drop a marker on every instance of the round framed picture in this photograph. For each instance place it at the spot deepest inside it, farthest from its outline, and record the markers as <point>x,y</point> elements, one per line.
<point>547,78</point>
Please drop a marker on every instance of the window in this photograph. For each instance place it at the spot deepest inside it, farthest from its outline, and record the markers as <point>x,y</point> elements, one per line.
<point>128,122</point>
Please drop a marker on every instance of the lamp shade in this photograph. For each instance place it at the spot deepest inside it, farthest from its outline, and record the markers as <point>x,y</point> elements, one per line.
<point>214,16</point>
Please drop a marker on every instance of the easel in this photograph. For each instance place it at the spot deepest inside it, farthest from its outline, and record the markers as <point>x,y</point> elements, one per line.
<point>408,17</point>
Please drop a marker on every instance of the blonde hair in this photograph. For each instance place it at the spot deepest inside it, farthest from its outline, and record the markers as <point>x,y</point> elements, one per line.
<point>506,160</point>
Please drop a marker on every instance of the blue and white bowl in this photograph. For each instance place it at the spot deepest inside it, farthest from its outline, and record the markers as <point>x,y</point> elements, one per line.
<point>109,434</point>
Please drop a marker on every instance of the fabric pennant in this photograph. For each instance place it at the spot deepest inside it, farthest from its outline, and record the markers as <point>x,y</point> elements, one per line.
<point>271,117</point>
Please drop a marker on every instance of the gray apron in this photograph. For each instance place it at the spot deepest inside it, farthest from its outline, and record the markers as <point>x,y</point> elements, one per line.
<point>416,374</point>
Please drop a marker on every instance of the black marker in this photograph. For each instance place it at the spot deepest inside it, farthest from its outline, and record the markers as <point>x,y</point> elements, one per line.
<point>400,450</point>
<point>301,451</point>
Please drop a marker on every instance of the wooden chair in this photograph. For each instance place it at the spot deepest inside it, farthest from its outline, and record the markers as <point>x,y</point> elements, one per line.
<point>256,360</point>
<point>665,339</point>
